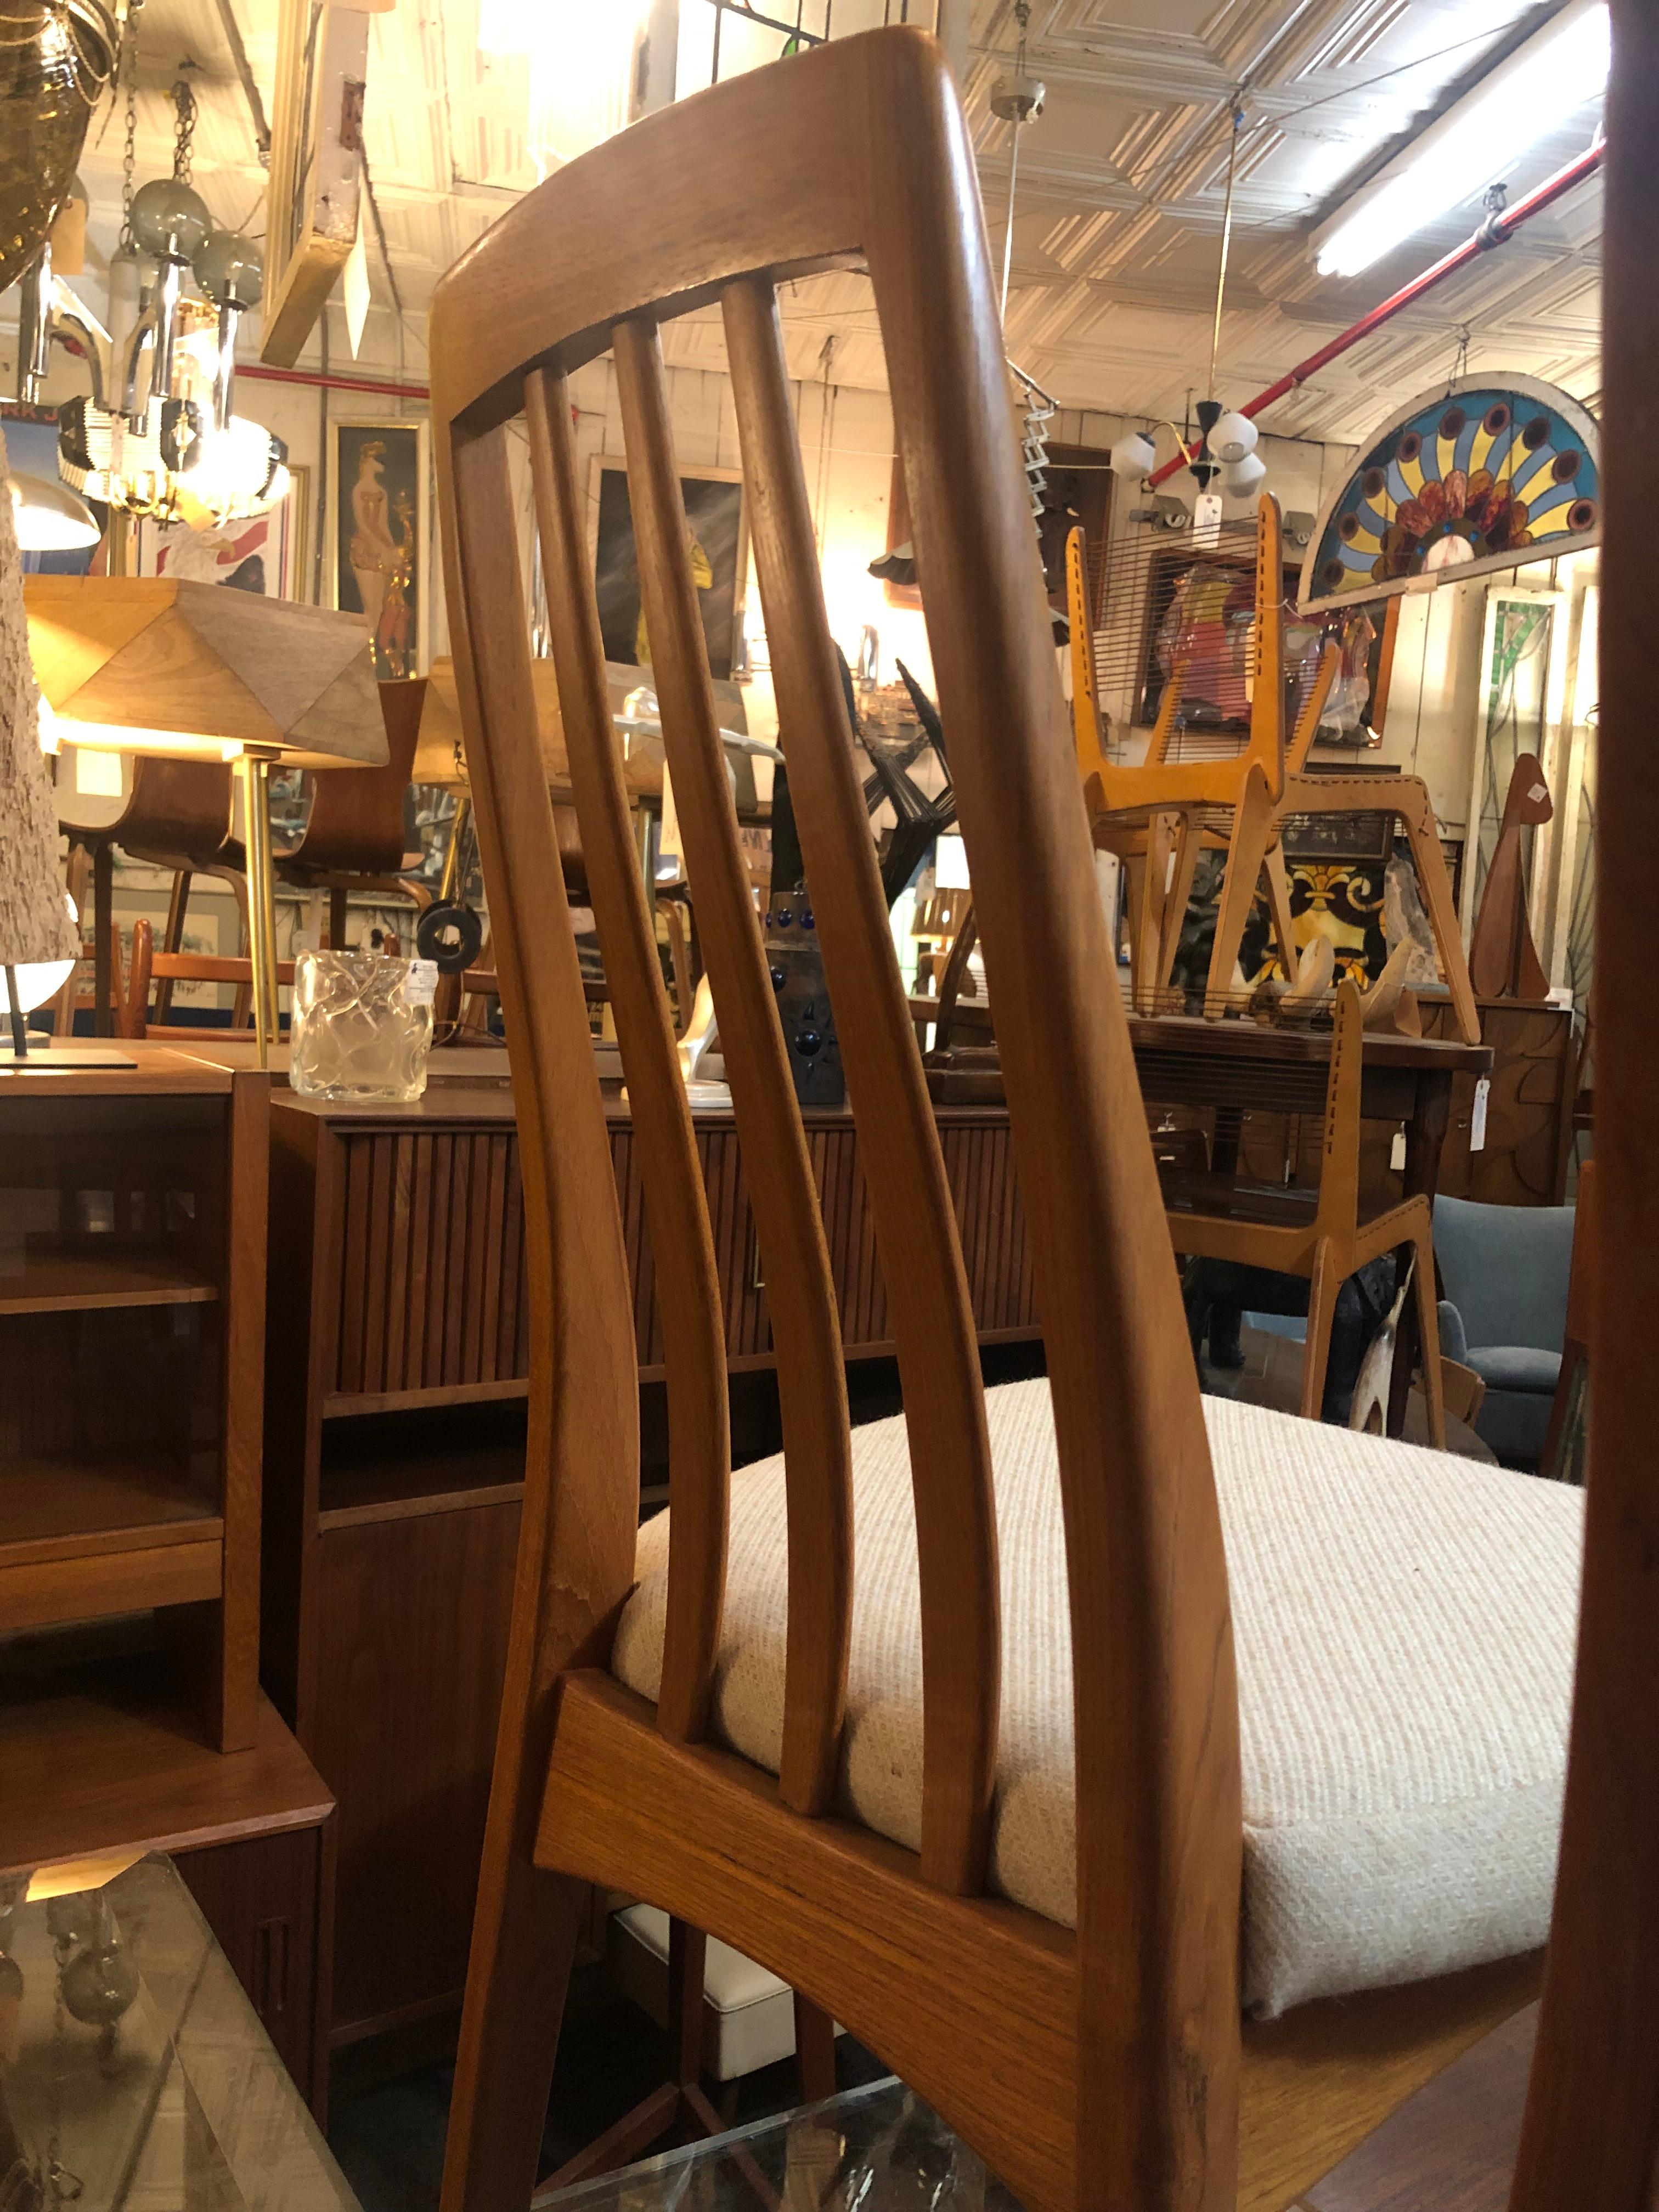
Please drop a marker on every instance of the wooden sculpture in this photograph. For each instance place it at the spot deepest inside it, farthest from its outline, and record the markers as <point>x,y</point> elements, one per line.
<point>1503,961</point>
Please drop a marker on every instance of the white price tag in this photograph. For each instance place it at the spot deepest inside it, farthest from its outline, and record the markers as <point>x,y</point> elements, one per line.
<point>1397,1151</point>
<point>1477,1119</point>
<point>421,988</point>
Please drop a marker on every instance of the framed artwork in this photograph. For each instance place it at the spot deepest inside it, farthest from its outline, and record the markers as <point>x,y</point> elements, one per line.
<point>266,556</point>
<point>378,530</point>
<point>720,563</point>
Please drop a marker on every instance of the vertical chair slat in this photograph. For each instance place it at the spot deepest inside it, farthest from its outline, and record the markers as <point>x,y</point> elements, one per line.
<point>582,1462</point>
<point>699,1461</point>
<point>800,1294</point>
<point>1159,1823</point>
<point>931,1319</point>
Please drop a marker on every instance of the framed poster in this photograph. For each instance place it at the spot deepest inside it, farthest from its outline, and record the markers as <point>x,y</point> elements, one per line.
<point>266,556</point>
<point>379,529</point>
<point>718,537</point>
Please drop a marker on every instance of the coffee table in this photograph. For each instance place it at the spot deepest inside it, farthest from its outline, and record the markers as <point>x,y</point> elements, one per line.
<point>134,2071</point>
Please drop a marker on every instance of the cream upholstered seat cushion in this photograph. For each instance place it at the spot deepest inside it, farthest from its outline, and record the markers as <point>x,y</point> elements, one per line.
<point>1405,1625</point>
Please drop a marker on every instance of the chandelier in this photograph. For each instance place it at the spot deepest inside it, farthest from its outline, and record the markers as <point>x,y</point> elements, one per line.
<point>158,435</point>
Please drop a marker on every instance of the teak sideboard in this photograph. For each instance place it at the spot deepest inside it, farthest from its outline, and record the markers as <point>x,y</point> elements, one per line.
<point>398,1358</point>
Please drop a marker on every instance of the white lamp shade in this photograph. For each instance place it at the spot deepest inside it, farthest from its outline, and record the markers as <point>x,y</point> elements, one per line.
<point>1240,478</point>
<point>38,980</point>
<point>51,518</point>
<point>1233,437</point>
<point>1134,456</point>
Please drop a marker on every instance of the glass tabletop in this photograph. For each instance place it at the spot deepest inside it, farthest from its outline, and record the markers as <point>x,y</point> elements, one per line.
<point>877,2148</point>
<point>135,2075</point>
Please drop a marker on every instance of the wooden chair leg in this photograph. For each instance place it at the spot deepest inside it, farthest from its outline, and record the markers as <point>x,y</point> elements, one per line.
<point>1145,878</point>
<point>338,907</point>
<point>1324,1284</point>
<point>1278,906</point>
<point>173,938</point>
<point>524,1940</point>
<point>815,2050</point>
<point>1247,848</point>
<point>1428,1340</point>
<point>1434,885</point>
<point>1189,844</point>
<point>688,1960</point>
<point>103,922</point>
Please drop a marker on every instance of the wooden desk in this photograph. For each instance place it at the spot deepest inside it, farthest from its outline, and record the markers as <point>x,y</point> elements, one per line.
<point>398,1362</point>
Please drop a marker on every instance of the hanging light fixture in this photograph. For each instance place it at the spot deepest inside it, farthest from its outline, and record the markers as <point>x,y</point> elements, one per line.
<point>157,436</point>
<point>1225,448</point>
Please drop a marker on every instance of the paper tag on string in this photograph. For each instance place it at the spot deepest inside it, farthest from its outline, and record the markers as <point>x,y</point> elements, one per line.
<point>1477,1119</point>
<point>421,988</point>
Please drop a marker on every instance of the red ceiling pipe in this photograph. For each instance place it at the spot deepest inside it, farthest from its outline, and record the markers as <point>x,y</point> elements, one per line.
<point>312,377</point>
<point>1492,232</point>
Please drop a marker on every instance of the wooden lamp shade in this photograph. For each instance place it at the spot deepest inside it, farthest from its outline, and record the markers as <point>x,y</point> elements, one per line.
<point>34,919</point>
<point>441,756</point>
<point>187,671</point>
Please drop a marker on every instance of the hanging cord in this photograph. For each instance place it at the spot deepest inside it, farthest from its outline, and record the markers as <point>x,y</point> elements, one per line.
<point>1226,242</point>
<point>1017,102</point>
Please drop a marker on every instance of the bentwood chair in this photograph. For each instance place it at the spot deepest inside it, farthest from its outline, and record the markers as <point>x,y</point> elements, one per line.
<point>1011,1865</point>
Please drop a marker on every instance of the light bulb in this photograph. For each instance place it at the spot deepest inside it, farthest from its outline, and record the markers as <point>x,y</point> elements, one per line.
<point>1240,478</point>
<point>1233,437</point>
<point>1134,456</point>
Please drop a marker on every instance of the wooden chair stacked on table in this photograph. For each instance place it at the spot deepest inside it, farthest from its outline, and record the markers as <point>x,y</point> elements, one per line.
<point>834,1792</point>
<point>1158,816</point>
<point>1324,1234</point>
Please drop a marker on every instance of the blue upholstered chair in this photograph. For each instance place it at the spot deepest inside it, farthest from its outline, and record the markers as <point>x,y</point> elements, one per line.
<point>1504,1271</point>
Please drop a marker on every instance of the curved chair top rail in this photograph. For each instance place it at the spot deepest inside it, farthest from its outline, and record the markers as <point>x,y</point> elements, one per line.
<point>854,154</point>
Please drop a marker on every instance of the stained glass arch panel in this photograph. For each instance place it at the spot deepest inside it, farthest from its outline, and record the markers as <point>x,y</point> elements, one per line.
<point>1491,473</point>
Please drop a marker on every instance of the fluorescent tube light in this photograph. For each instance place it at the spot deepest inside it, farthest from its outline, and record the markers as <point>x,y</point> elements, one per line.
<point>1476,140</point>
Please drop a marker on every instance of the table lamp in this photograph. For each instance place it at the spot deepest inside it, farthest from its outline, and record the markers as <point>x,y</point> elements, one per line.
<point>38,939</point>
<point>191,672</point>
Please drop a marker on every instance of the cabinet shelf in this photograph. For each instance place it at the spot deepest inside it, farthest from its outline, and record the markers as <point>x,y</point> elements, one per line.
<point>54,1510</point>
<point>71,1284</point>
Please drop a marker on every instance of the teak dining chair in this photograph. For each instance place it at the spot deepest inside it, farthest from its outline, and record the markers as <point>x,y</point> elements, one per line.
<point>1092,2052</point>
<point>1325,1235</point>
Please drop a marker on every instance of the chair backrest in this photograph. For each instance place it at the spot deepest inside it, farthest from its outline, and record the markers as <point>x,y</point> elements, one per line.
<point>854,154</point>
<point>175,808</point>
<point>356,825</point>
<point>1506,1269</point>
<point>149,966</point>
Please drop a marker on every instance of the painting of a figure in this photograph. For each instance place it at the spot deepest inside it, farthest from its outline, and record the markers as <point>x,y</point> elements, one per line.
<point>379,536</point>
<point>717,550</point>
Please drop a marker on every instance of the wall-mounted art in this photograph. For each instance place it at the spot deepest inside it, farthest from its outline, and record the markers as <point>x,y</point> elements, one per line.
<point>718,542</point>
<point>1492,473</point>
<point>377,532</point>
<point>266,555</point>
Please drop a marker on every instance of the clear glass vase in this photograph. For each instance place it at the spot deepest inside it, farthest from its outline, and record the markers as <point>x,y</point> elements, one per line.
<point>361,1026</point>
